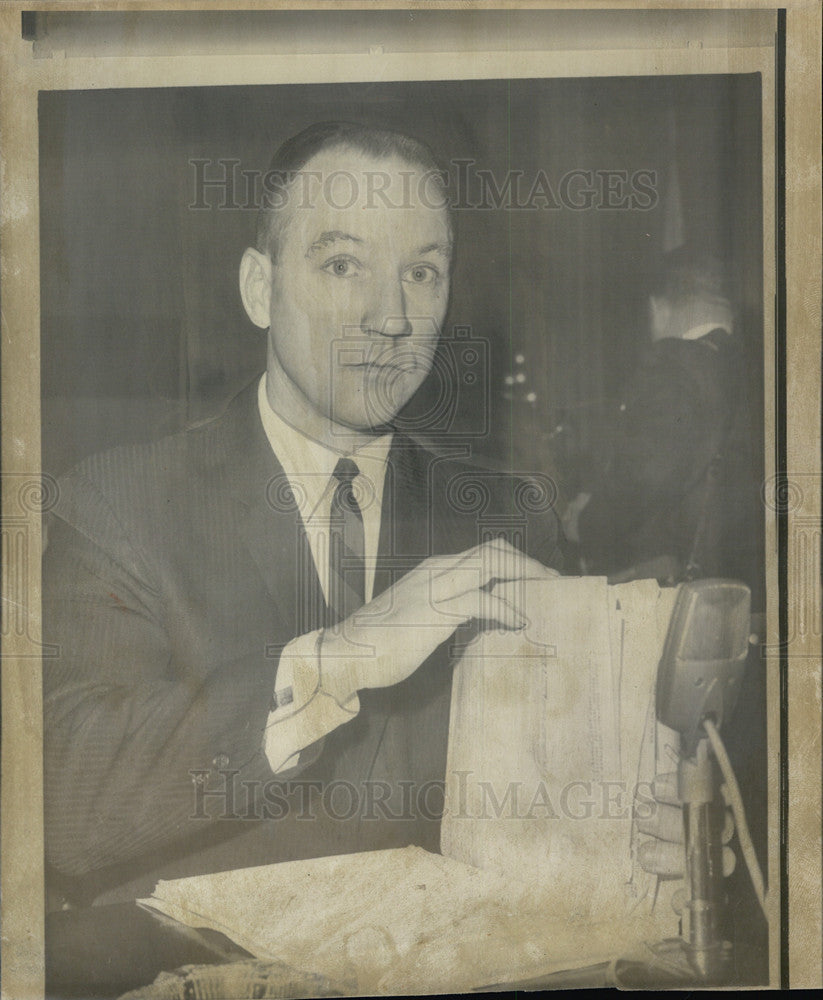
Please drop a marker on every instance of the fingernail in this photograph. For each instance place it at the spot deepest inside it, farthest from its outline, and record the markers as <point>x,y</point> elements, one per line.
<point>646,855</point>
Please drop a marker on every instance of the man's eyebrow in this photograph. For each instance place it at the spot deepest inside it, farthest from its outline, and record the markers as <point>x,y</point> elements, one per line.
<point>442,248</point>
<point>326,239</point>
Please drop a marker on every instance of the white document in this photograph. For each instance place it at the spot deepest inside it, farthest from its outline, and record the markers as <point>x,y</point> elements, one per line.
<point>551,732</point>
<point>394,922</point>
<point>551,738</point>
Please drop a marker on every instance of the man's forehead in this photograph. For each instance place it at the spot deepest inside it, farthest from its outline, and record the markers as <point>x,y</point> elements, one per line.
<point>334,159</point>
<point>354,205</point>
<point>337,186</point>
<point>416,243</point>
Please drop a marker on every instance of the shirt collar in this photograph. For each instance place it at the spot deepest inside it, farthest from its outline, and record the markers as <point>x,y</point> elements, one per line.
<point>697,332</point>
<point>308,464</point>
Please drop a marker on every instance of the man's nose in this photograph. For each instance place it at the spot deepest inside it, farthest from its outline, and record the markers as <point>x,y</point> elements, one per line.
<point>385,312</point>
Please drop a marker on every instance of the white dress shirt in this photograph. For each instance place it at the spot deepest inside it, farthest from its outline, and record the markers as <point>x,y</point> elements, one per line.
<point>304,712</point>
<point>696,332</point>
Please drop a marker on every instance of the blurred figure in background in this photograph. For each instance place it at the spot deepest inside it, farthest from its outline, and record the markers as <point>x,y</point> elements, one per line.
<point>660,507</point>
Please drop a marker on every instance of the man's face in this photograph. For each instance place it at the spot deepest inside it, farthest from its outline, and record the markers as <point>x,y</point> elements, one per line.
<point>360,285</point>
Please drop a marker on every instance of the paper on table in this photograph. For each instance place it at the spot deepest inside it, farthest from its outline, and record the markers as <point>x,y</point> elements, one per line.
<point>396,921</point>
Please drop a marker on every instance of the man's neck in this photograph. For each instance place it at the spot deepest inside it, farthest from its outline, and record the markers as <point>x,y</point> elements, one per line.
<point>289,403</point>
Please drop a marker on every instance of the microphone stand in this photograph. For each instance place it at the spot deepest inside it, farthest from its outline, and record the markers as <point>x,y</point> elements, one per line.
<point>700,956</point>
<point>708,954</point>
<point>697,681</point>
<point>698,678</point>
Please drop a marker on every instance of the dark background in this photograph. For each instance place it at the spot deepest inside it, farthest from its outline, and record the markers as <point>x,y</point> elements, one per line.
<point>142,324</point>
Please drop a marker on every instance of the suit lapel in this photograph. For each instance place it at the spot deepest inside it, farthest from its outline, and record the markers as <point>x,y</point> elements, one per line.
<point>272,530</point>
<point>403,544</point>
<point>405,515</point>
<point>268,520</point>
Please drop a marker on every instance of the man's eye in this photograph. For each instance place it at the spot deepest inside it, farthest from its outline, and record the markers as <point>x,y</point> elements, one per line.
<point>421,274</point>
<point>341,267</point>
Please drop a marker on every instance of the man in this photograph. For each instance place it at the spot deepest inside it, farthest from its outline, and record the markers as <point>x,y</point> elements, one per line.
<point>658,509</point>
<point>255,617</point>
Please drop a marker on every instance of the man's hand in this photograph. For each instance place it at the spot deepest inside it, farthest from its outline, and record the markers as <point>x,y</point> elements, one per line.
<point>664,853</point>
<point>390,637</point>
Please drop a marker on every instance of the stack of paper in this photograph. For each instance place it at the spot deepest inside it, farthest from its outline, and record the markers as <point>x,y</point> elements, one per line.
<point>552,739</point>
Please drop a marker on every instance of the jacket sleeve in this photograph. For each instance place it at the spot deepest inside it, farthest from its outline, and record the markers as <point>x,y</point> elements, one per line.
<point>132,733</point>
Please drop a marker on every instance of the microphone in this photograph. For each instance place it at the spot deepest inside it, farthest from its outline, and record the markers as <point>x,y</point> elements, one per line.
<point>698,681</point>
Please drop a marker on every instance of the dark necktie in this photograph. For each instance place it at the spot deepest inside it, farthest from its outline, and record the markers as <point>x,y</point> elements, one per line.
<point>347,553</point>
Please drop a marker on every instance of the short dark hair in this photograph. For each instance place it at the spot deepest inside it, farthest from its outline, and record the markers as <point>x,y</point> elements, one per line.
<point>296,152</point>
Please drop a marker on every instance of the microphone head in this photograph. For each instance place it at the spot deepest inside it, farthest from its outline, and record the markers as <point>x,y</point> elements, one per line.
<point>704,655</point>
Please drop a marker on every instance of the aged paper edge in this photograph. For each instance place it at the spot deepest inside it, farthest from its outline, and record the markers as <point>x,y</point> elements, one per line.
<point>803,393</point>
<point>22,76</point>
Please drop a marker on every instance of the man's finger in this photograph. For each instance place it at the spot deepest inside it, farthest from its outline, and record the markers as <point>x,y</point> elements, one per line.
<point>669,860</point>
<point>665,823</point>
<point>495,611</point>
<point>497,559</point>
<point>502,561</point>
<point>664,788</point>
<point>488,609</point>
<point>662,858</point>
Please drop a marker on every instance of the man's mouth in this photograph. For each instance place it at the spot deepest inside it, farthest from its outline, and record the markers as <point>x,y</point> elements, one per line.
<point>404,366</point>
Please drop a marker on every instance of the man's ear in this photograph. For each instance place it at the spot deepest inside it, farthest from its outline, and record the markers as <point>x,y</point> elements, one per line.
<point>255,286</point>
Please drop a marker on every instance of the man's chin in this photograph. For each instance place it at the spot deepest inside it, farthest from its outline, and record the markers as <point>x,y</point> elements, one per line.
<point>371,413</point>
<point>373,422</point>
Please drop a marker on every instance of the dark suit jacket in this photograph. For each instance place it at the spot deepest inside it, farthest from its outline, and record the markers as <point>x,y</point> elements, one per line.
<point>652,498</point>
<point>174,574</point>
